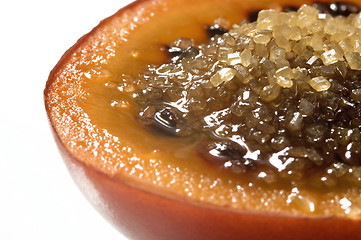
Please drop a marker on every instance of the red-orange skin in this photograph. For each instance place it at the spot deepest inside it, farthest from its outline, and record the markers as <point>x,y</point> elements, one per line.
<point>142,215</point>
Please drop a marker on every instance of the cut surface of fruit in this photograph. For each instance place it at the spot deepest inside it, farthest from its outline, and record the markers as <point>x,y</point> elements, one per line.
<point>90,103</point>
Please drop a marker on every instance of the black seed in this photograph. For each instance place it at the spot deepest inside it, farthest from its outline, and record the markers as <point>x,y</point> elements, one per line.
<point>190,52</point>
<point>174,51</point>
<point>290,9</point>
<point>351,157</point>
<point>252,16</point>
<point>165,118</point>
<point>162,121</point>
<point>342,119</point>
<point>226,155</point>
<point>180,53</point>
<point>337,8</point>
<point>323,7</point>
<point>216,30</point>
<point>177,53</point>
<point>344,9</point>
<point>165,121</point>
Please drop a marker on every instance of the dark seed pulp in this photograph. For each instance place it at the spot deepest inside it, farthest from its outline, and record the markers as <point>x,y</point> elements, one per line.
<point>253,124</point>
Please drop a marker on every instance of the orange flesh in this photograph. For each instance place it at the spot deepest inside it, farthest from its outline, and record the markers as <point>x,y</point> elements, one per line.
<point>109,138</point>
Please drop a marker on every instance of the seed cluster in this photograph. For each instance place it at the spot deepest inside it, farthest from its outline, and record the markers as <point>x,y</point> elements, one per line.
<point>279,98</point>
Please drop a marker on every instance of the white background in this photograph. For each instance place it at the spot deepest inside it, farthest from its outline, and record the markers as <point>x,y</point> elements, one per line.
<point>38,199</point>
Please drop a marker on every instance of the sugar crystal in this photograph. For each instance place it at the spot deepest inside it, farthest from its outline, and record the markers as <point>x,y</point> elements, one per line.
<point>320,84</point>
